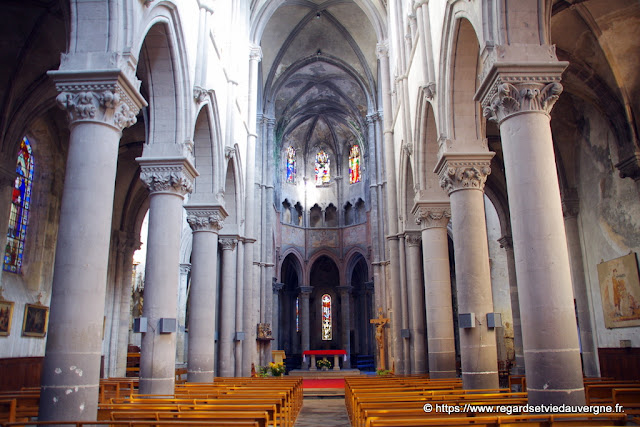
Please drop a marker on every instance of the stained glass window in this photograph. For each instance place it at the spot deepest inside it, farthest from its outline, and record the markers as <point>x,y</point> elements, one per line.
<point>354,164</point>
<point>291,164</point>
<point>19,216</point>
<point>326,317</point>
<point>323,173</point>
<point>297,315</point>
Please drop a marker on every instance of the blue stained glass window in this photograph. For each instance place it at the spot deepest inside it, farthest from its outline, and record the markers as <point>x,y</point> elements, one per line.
<point>326,317</point>
<point>291,164</point>
<point>20,203</point>
<point>323,173</point>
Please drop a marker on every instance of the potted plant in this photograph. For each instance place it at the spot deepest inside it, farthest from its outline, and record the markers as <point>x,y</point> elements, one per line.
<point>323,364</point>
<point>277,369</point>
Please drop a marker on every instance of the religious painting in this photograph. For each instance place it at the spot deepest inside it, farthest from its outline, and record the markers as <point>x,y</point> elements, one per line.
<point>35,320</point>
<point>620,289</point>
<point>6,313</point>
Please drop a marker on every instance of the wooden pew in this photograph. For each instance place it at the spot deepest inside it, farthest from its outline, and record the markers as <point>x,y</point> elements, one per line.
<point>7,410</point>
<point>629,398</point>
<point>563,420</point>
<point>602,393</point>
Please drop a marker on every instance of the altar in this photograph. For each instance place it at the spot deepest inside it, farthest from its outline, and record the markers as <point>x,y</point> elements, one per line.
<point>324,353</point>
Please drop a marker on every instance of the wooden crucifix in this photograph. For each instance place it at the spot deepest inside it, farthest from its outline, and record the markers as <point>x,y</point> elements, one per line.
<point>380,322</point>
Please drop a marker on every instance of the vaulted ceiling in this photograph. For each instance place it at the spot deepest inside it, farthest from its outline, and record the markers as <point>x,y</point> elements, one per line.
<point>319,73</point>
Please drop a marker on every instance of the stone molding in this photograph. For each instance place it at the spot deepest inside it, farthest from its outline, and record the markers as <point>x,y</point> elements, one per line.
<point>464,171</point>
<point>429,90</point>
<point>185,268</point>
<point>200,94</point>
<point>206,218</point>
<point>305,291</point>
<point>277,287</point>
<point>167,175</point>
<point>344,290</point>
<point>413,239</point>
<point>228,244</point>
<point>106,97</point>
<point>515,88</point>
<point>432,214</point>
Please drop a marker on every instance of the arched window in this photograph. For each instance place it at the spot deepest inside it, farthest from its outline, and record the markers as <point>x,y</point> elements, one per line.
<point>19,216</point>
<point>326,317</point>
<point>323,172</point>
<point>354,164</point>
<point>297,314</point>
<point>291,165</point>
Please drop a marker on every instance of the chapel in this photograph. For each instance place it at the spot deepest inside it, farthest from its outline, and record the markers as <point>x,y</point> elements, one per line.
<point>209,181</point>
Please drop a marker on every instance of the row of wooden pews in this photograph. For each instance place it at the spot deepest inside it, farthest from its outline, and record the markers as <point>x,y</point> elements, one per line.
<point>420,401</point>
<point>261,402</point>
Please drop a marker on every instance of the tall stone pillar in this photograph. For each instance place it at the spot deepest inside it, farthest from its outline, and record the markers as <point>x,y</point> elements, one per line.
<point>132,244</point>
<point>415,291</point>
<point>506,242</point>
<point>252,291</point>
<point>345,320</point>
<point>183,288</point>
<point>71,370</point>
<point>205,222</point>
<point>226,358</point>
<point>406,348</point>
<point>571,209</point>
<point>275,323</point>
<point>382,51</point>
<point>305,293</point>
<point>520,98</point>
<point>463,176</point>
<point>169,180</point>
<point>433,218</point>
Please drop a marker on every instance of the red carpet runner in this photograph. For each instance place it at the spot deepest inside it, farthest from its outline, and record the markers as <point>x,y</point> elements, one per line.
<point>323,383</point>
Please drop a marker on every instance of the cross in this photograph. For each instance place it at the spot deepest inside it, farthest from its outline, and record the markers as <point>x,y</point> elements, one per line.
<point>380,321</point>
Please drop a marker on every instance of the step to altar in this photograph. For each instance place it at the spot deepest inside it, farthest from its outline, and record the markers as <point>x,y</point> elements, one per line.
<point>324,374</point>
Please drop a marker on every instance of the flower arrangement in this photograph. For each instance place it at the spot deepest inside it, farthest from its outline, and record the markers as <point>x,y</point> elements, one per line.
<point>323,363</point>
<point>277,369</point>
<point>383,372</point>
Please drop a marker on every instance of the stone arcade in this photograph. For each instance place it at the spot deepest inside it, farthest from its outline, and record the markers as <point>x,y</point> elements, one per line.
<point>303,164</point>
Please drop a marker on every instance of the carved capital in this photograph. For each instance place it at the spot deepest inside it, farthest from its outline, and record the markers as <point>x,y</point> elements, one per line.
<point>418,3</point>
<point>185,268</point>
<point>228,244</point>
<point>506,242</point>
<point>516,88</point>
<point>277,287</point>
<point>432,215</point>
<point>570,203</point>
<point>344,290</point>
<point>255,53</point>
<point>407,147</point>
<point>413,239</point>
<point>630,167</point>
<point>106,97</point>
<point>206,218</point>
<point>382,50</point>
<point>462,171</point>
<point>200,94</point>
<point>429,90</point>
<point>167,175</point>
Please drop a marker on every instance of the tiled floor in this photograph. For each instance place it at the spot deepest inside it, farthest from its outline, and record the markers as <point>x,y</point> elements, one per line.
<point>318,412</point>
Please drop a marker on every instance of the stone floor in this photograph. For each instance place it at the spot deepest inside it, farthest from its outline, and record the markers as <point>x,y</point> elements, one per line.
<point>324,412</point>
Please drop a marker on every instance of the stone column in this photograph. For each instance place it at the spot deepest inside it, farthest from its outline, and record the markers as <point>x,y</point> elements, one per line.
<point>406,348</point>
<point>433,218</point>
<point>275,325</point>
<point>382,51</point>
<point>252,291</point>
<point>506,242</point>
<point>99,105</point>
<point>305,293</point>
<point>345,320</point>
<point>239,327</point>
<point>169,180</point>
<point>571,209</point>
<point>463,176</point>
<point>205,221</point>
<point>133,244</point>
<point>520,98</point>
<point>183,288</point>
<point>226,358</point>
<point>415,291</point>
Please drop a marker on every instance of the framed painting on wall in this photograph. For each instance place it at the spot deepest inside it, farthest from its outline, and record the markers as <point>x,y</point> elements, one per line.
<point>620,290</point>
<point>35,320</point>
<point>6,313</point>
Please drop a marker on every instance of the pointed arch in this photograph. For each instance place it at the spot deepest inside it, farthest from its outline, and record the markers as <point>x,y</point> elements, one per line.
<point>208,152</point>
